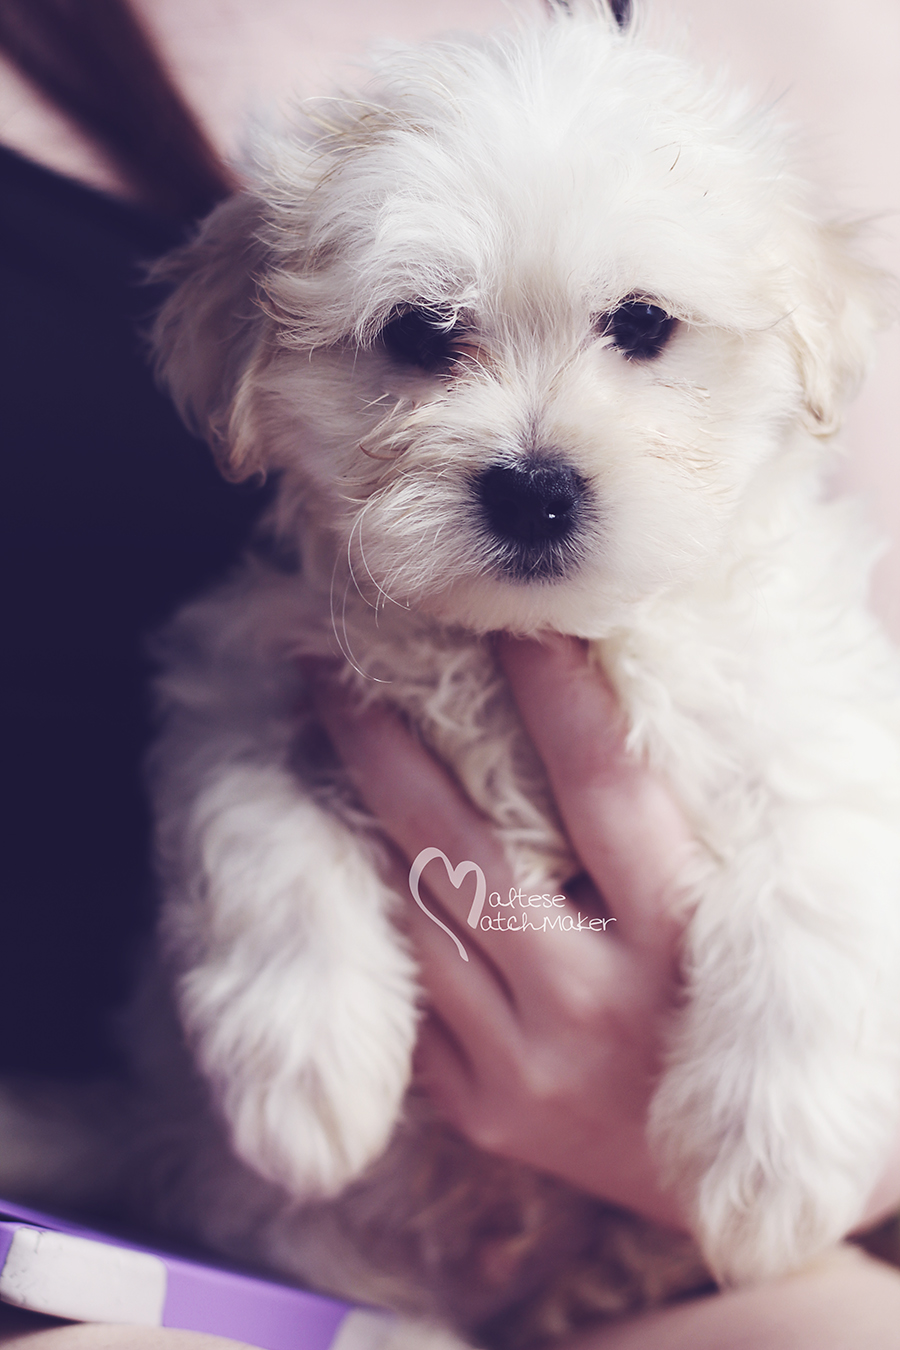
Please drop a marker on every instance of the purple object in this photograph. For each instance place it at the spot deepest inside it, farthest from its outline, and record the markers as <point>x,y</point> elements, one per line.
<point>207,1298</point>
<point>6,1238</point>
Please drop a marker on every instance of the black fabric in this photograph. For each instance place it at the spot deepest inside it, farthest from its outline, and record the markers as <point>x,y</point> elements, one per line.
<point>111,516</point>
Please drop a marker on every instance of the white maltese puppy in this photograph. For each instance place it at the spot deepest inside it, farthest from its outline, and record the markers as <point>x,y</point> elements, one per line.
<point>541,333</point>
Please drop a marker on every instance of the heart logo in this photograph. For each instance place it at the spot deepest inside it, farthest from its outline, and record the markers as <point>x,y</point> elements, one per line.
<point>457,876</point>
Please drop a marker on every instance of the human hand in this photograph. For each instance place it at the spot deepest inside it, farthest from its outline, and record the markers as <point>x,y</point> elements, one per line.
<point>546,1046</point>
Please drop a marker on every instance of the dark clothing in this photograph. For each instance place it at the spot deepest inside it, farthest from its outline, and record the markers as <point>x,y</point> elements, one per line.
<point>111,516</point>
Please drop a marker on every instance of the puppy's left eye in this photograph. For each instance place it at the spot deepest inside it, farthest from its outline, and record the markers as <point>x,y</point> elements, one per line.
<point>417,337</point>
<point>638,329</point>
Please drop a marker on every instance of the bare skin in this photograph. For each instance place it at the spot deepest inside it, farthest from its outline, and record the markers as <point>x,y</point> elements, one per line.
<point>45,1333</point>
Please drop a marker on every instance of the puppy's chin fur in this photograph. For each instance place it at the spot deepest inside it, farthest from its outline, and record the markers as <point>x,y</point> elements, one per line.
<point>539,333</point>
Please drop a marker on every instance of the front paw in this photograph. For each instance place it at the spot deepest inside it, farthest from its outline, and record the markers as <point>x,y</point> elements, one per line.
<point>770,1184</point>
<point>313,1096</point>
<point>756,1221</point>
<point>301,999</point>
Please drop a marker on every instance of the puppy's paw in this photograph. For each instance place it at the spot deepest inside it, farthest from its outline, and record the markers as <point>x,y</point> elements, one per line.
<point>313,1124</point>
<point>780,1103</point>
<point>755,1223</point>
<point>303,1007</point>
<point>771,1183</point>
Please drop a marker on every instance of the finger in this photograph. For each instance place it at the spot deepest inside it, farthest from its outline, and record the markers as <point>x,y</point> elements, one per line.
<point>467,1099</point>
<point>471,997</point>
<point>468,990</point>
<point>622,821</point>
<point>441,1065</point>
<point>421,806</point>
<point>413,796</point>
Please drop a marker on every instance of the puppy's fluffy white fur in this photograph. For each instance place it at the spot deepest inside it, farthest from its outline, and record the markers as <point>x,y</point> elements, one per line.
<point>517,192</point>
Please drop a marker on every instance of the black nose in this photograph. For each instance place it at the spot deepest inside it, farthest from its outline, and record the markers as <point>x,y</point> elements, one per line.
<point>532,511</point>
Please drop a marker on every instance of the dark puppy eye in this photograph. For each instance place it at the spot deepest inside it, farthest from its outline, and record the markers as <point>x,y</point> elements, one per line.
<point>419,337</point>
<point>638,329</point>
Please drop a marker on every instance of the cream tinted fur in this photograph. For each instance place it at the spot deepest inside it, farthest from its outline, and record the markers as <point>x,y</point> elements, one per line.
<point>524,185</point>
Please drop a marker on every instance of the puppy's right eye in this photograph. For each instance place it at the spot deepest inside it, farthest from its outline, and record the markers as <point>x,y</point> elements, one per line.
<point>417,337</point>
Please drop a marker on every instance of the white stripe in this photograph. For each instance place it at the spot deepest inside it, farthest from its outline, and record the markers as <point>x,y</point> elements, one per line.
<point>83,1280</point>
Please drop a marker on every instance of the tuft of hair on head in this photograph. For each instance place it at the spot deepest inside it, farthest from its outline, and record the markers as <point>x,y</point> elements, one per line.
<point>620,11</point>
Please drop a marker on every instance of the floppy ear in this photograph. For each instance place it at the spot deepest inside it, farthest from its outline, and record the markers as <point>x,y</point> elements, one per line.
<point>208,334</point>
<point>840,304</point>
<point>619,10</point>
